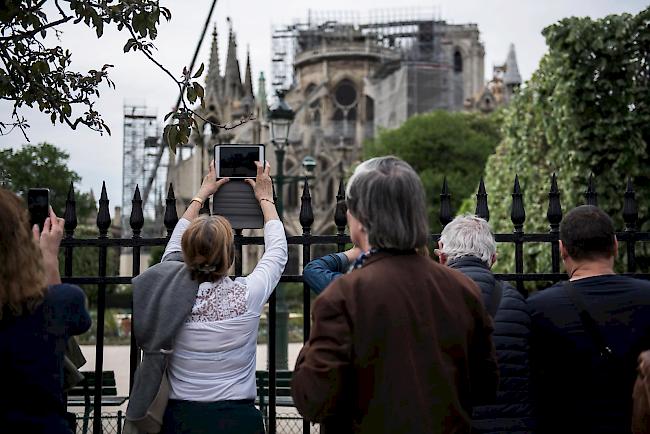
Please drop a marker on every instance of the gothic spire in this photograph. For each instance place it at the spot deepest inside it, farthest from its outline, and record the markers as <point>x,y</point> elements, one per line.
<point>232,76</point>
<point>511,76</point>
<point>261,94</point>
<point>213,79</point>
<point>248,79</point>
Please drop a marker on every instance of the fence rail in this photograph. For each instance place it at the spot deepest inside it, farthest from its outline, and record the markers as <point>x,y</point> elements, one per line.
<point>518,238</point>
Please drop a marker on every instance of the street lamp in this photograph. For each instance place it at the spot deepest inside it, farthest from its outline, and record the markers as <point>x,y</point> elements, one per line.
<point>280,117</point>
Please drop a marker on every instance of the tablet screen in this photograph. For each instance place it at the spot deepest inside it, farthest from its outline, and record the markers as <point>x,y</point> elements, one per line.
<point>238,161</point>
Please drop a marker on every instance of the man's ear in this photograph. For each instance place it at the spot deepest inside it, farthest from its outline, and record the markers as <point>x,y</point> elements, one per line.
<point>615,247</point>
<point>493,259</point>
<point>564,254</point>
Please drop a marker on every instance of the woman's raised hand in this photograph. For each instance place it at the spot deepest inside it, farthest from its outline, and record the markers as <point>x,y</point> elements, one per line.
<point>210,183</point>
<point>49,241</point>
<point>262,186</point>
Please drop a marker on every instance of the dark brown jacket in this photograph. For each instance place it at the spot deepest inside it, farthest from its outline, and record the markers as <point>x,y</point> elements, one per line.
<point>402,345</point>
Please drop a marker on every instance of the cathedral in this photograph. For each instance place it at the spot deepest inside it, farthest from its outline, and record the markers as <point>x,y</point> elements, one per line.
<point>344,81</point>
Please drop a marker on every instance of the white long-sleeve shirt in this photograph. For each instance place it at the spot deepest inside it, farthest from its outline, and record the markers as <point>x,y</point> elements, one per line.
<point>214,352</point>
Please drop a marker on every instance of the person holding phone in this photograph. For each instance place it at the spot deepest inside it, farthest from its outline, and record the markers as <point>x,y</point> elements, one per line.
<point>38,315</point>
<point>198,327</point>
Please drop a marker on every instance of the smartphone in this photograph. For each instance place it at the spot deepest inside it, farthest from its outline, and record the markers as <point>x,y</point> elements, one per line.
<point>38,203</point>
<point>237,161</point>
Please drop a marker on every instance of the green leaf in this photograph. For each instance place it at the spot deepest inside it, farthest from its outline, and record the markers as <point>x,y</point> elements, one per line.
<point>198,72</point>
<point>129,45</point>
<point>199,90</point>
<point>167,116</point>
<point>191,95</point>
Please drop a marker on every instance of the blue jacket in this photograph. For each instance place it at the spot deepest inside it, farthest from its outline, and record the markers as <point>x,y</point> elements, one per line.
<point>512,412</point>
<point>319,273</point>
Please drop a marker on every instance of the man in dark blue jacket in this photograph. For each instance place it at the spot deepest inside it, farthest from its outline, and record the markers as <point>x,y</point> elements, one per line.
<point>467,245</point>
<point>587,333</point>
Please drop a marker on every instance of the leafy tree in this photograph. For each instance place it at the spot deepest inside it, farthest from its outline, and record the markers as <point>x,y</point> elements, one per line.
<point>44,165</point>
<point>585,110</point>
<point>35,73</point>
<point>439,144</point>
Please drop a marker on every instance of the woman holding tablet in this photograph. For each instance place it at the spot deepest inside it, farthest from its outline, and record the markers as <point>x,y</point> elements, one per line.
<point>211,358</point>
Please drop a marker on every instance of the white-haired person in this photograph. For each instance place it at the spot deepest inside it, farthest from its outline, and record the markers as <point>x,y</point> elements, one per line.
<point>400,344</point>
<point>467,245</point>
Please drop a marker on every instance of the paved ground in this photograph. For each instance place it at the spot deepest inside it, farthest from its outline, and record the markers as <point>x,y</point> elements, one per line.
<point>116,358</point>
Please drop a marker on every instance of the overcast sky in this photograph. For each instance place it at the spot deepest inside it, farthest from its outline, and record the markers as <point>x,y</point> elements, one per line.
<point>98,158</point>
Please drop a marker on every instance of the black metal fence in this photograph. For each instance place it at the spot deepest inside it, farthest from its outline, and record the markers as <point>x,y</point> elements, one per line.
<point>630,236</point>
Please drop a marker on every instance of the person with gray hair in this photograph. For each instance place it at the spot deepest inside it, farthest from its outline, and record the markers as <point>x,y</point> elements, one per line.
<point>390,228</point>
<point>466,244</point>
<point>399,343</point>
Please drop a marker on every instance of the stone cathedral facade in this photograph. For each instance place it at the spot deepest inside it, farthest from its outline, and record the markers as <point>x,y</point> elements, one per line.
<point>346,81</point>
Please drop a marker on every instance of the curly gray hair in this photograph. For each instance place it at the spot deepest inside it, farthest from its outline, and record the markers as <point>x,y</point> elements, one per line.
<point>468,235</point>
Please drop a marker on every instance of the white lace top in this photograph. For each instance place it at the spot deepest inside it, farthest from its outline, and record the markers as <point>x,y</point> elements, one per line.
<point>214,352</point>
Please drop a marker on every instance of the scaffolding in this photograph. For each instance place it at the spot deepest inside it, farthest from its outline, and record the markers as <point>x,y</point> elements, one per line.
<point>141,142</point>
<point>409,33</point>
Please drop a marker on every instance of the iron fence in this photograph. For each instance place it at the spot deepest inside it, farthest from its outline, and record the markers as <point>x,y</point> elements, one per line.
<point>631,236</point>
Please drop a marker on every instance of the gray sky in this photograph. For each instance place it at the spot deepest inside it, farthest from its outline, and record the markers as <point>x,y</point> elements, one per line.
<point>98,158</point>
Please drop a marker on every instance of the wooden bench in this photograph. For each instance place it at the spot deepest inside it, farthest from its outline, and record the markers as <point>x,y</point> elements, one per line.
<point>282,390</point>
<point>83,394</point>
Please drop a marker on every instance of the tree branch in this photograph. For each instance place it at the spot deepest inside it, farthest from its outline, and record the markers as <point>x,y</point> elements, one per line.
<point>31,33</point>
<point>150,57</point>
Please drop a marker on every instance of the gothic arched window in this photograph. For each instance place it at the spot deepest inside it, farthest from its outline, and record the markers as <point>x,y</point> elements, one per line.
<point>370,109</point>
<point>458,61</point>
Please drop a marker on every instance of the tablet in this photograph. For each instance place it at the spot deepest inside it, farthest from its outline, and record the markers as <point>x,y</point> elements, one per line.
<point>237,161</point>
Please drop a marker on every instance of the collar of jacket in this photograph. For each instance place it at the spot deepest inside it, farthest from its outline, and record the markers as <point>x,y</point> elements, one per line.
<point>467,261</point>
<point>387,253</point>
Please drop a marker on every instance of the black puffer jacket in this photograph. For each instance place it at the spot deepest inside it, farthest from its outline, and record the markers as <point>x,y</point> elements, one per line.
<point>512,412</point>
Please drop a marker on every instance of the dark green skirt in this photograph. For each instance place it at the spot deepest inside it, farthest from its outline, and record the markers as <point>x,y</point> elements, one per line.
<point>222,417</point>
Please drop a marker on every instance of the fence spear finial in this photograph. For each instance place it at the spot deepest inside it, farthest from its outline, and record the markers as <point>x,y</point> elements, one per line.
<point>171,216</point>
<point>136,219</point>
<point>103,216</point>
<point>70,214</point>
<point>482,209</point>
<point>306,212</point>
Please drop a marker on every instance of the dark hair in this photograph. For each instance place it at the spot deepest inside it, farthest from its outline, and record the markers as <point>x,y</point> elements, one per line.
<point>386,196</point>
<point>587,232</point>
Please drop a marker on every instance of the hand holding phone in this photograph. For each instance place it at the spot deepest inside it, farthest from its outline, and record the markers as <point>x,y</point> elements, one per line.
<point>38,204</point>
<point>49,240</point>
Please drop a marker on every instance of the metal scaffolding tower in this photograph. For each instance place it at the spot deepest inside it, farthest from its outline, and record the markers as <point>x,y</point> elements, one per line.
<point>140,144</point>
<point>410,31</point>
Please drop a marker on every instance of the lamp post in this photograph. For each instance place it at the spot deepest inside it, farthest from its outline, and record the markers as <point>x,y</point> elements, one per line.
<point>281,116</point>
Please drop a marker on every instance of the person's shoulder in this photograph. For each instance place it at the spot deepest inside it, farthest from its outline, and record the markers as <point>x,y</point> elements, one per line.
<point>541,299</point>
<point>633,282</point>
<point>511,294</point>
<point>64,292</point>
